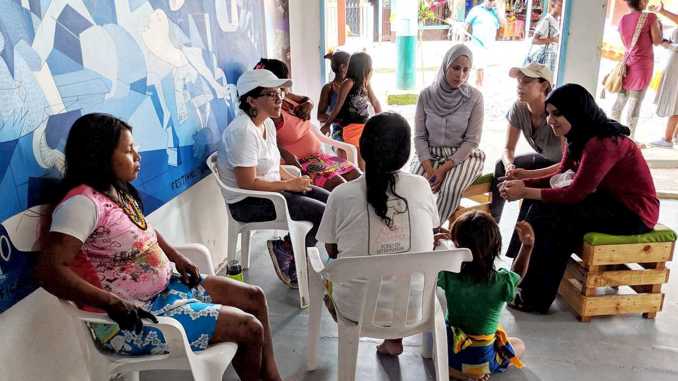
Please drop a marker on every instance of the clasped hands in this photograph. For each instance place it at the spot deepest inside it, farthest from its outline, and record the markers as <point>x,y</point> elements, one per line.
<point>511,186</point>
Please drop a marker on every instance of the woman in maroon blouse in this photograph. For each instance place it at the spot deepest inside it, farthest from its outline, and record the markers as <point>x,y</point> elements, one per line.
<point>604,185</point>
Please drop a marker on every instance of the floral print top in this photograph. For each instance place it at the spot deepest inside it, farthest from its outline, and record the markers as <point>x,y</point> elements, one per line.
<point>119,256</point>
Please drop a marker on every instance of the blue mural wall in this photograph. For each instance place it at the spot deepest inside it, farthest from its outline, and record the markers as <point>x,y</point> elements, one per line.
<point>167,67</point>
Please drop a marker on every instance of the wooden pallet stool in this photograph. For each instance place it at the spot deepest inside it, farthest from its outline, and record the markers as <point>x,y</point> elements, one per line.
<point>631,268</point>
<point>477,196</point>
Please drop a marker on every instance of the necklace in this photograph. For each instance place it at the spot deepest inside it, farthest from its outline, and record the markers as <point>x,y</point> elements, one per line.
<point>130,206</point>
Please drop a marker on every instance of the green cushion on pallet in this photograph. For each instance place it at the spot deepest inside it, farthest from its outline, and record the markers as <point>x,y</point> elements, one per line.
<point>660,233</point>
<point>484,179</point>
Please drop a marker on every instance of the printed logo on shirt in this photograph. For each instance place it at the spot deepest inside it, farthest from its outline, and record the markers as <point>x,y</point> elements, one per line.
<point>385,240</point>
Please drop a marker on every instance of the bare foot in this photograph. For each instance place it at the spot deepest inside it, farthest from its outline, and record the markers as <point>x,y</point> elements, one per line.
<point>457,375</point>
<point>392,347</point>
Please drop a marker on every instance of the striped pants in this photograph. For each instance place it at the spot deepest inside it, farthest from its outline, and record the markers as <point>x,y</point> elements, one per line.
<point>457,180</point>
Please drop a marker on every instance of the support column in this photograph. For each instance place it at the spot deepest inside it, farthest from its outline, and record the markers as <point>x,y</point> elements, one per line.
<point>406,42</point>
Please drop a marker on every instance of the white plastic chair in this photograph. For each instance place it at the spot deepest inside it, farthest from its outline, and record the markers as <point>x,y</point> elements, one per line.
<point>208,365</point>
<point>282,221</point>
<point>373,268</point>
<point>350,149</point>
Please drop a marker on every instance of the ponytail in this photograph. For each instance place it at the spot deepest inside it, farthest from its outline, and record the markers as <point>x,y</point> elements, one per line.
<point>385,146</point>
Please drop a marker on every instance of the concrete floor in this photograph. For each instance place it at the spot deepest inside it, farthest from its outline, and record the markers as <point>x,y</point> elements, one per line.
<point>558,346</point>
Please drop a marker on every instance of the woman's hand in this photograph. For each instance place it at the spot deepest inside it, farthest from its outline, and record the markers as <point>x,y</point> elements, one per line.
<point>525,233</point>
<point>439,234</point>
<point>128,316</point>
<point>190,275</point>
<point>512,190</point>
<point>437,178</point>
<point>298,184</point>
<point>325,129</point>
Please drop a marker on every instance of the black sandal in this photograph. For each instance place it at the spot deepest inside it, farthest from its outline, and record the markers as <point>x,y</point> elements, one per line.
<point>519,304</point>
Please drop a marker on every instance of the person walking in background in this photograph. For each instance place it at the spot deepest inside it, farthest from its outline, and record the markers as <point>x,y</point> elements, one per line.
<point>639,60</point>
<point>482,23</point>
<point>667,95</point>
<point>546,38</point>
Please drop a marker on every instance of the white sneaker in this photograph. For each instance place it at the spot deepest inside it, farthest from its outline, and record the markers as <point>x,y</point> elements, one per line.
<point>662,143</point>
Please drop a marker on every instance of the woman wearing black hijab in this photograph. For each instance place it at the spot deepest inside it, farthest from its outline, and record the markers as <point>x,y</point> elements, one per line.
<point>604,185</point>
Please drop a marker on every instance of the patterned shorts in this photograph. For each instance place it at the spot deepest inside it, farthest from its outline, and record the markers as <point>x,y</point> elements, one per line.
<point>192,308</point>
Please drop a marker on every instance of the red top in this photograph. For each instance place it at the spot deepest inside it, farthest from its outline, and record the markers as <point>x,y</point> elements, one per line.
<point>614,166</point>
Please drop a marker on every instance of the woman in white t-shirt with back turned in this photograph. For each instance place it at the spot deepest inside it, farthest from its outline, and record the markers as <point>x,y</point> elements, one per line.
<point>249,159</point>
<point>385,211</point>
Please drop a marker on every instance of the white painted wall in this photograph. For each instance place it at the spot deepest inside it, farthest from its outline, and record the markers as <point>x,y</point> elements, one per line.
<point>584,41</point>
<point>38,339</point>
<point>305,43</point>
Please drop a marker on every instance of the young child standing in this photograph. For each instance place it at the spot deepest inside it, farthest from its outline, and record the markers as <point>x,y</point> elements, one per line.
<point>477,344</point>
<point>355,97</point>
<point>330,92</point>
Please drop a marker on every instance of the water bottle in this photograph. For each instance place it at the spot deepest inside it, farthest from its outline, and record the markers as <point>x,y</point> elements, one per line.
<point>234,271</point>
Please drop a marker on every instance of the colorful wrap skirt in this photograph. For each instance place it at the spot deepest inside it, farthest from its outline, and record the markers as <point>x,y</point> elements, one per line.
<point>321,167</point>
<point>477,355</point>
<point>191,307</point>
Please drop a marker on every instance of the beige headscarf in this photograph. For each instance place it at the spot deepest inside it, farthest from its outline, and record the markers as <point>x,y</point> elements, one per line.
<point>439,98</point>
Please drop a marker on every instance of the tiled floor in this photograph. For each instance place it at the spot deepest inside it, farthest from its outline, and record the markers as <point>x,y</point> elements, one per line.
<point>558,346</point>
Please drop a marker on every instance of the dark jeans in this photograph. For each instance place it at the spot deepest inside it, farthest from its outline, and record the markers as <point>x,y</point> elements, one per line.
<point>529,161</point>
<point>308,206</point>
<point>558,231</point>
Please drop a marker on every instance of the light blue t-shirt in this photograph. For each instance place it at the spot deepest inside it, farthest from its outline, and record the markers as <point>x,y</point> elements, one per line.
<point>484,24</point>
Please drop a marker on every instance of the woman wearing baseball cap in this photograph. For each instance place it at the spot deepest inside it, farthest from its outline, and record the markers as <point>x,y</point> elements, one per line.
<point>249,159</point>
<point>527,115</point>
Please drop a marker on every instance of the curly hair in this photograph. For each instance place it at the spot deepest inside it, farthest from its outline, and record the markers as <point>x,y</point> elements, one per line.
<point>385,147</point>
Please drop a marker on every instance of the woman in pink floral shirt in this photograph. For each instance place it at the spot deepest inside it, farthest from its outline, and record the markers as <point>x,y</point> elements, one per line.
<point>102,254</point>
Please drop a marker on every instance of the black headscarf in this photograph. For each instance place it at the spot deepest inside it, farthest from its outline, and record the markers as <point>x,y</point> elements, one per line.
<point>577,105</point>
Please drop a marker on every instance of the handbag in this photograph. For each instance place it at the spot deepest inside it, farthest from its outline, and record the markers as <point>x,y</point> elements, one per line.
<point>614,80</point>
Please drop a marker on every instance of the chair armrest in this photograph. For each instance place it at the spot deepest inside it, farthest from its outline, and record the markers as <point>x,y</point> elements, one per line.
<point>172,330</point>
<point>314,259</point>
<point>199,255</point>
<point>279,202</point>
<point>350,149</point>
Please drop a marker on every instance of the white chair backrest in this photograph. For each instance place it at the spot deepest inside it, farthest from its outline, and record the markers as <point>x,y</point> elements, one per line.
<point>398,268</point>
<point>226,191</point>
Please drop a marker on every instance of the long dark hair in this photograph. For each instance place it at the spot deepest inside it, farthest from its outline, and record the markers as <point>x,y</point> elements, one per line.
<point>588,120</point>
<point>359,66</point>
<point>89,154</point>
<point>277,67</point>
<point>385,147</point>
<point>478,232</point>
